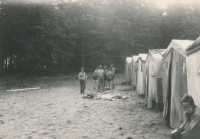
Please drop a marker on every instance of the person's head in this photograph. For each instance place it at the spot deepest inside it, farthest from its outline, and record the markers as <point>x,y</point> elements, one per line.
<point>105,67</point>
<point>100,67</point>
<point>82,69</point>
<point>187,103</point>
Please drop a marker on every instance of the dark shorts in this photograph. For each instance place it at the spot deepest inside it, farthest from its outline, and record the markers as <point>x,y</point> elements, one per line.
<point>94,77</point>
<point>82,82</point>
<point>109,79</point>
<point>113,76</point>
<point>105,77</point>
<point>100,78</point>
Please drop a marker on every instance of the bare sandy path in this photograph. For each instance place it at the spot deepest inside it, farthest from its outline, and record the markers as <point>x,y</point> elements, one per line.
<point>62,113</point>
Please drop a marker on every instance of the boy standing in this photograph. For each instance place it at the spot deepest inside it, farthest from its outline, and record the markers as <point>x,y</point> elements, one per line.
<point>82,77</point>
<point>109,77</point>
<point>113,71</point>
<point>105,76</point>
<point>101,78</point>
<point>95,77</point>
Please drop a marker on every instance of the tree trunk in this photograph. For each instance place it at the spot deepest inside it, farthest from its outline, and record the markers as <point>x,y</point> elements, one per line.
<point>11,63</point>
<point>1,55</point>
<point>15,63</point>
<point>6,66</point>
<point>1,43</point>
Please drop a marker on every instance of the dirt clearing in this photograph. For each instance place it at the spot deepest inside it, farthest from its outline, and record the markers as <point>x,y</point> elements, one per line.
<point>60,112</point>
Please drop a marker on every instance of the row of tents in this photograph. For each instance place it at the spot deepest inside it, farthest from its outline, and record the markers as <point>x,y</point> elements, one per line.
<point>163,76</point>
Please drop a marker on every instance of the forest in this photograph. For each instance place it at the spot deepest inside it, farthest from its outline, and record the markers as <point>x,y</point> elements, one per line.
<point>61,36</point>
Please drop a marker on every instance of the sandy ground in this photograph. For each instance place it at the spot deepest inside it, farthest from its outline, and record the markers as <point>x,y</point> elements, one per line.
<point>60,112</point>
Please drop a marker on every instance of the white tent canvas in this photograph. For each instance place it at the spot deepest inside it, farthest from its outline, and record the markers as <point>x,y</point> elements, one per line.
<point>140,74</point>
<point>154,59</point>
<point>128,69</point>
<point>193,71</point>
<point>134,72</point>
<point>174,80</point>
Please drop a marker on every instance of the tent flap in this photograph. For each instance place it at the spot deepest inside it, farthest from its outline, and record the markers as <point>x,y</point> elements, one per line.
<point>154,59</point>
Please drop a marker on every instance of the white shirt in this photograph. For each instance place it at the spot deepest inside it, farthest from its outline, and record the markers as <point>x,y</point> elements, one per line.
<point>82,76</point>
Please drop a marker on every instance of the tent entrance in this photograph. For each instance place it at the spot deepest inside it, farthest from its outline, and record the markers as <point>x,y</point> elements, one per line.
<point>159,105</point>
<point>167,119</point>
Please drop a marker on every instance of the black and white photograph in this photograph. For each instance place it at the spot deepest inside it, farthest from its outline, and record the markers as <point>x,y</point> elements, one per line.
<point>99,69</point>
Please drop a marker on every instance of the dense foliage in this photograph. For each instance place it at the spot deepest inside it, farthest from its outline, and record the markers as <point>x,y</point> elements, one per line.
<point>60,36</point>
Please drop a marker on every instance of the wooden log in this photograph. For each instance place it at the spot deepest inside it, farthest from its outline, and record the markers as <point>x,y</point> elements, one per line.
<point>14,90</point>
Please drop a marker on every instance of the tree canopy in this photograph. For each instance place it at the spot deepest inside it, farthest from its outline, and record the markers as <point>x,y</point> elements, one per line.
<point>61,36</point>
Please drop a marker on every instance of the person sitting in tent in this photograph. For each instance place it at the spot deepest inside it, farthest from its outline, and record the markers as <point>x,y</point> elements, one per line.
<point>82,77</point>
<point>113,71</point>
<point>95,77</point>
<point>109,77</point>
<point>191,119</point>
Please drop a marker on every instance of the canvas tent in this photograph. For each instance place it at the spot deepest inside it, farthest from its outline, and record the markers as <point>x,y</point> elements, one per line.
<point>141,78</point>
<point>128,69</point>
<point>174,80</point>
<point>193,70</point>
<point>154,77</point>
<point>134,72</point>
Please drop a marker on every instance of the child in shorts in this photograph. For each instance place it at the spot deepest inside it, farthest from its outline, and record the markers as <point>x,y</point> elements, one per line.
<point>109,78</point>
<point>95,77</point>
<point>82,77</point>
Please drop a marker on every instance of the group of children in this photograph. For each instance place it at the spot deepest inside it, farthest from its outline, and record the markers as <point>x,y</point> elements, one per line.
<point>103,77</point>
